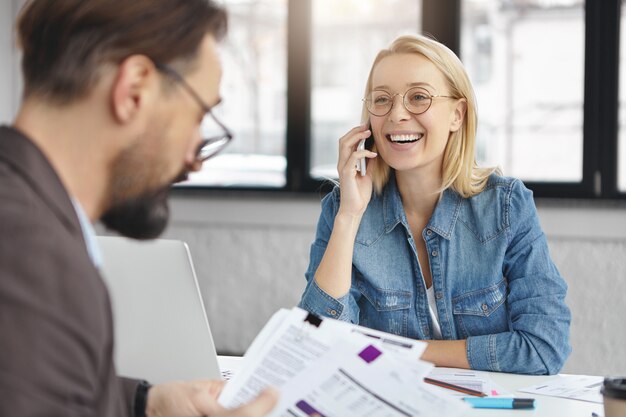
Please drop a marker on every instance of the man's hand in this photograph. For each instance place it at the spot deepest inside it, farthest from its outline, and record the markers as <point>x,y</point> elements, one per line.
<point>260,406</point>
<point>199,398</point>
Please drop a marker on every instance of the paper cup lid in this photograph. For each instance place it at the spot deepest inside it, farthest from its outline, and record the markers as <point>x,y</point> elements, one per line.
<point>614,388</point>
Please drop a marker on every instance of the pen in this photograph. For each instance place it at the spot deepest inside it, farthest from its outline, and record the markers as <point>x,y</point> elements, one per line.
<point>493,402</point>
<point>454,387</point>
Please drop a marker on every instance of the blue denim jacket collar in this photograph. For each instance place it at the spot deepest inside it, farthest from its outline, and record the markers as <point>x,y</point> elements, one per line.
<point>442,221</point>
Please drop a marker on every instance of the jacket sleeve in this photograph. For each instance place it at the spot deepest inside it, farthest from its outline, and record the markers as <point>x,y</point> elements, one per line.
<point>55,343</point>
<point>129,389</point>
<point>538,340</point>
<point>314,299</point>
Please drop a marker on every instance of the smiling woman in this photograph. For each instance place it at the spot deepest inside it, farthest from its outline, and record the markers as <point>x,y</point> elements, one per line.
<point>428,244</point>
<point>431,74</point>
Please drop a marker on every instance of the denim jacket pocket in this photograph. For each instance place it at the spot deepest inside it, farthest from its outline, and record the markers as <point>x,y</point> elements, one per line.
<point>384,309</point>
<point>482,311</point>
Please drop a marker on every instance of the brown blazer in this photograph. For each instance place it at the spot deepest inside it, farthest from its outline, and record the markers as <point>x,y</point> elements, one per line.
<point>56,330</point>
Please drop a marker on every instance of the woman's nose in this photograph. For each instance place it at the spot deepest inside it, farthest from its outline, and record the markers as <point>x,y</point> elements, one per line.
<point>398,110</point>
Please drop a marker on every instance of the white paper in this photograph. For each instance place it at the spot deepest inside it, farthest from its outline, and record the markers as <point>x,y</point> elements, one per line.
<point>345,384</point>
<point>278,354</point>
<point>402,345</point>
<point>337,369</point>
<point>229,366</point>
<point>476,380</point>
<point>575,387</point>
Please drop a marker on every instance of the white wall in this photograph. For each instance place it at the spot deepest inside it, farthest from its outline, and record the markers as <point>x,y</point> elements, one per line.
<point>9,77</point>
<point>251,252</point>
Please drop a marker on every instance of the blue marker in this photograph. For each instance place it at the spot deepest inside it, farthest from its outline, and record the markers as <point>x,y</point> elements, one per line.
<point>493,402</point>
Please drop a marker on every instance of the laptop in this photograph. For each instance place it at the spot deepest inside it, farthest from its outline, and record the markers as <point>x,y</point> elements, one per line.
<point>161,329</point>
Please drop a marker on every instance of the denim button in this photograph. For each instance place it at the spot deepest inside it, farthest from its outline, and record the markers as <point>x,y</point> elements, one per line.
<point>485,307</point>
<point>333,312</point>
<point>429,232</point>
<point>439,295</point>
<point>435,253</point>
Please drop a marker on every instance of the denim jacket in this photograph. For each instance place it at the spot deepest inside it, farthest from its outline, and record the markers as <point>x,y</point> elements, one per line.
<point>494,282</point>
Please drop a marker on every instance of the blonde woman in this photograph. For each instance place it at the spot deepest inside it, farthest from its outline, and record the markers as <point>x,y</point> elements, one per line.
<point>427,244</point>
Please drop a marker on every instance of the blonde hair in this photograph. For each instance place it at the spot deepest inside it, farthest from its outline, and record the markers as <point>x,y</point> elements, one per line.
<point>460,170</point>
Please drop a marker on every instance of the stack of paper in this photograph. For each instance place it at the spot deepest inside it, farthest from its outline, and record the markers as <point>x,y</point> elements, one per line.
<point>332,368</point>
<point>475,380</point>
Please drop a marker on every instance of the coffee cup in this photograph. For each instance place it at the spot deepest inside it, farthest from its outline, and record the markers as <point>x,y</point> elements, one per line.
<point>614,393</point>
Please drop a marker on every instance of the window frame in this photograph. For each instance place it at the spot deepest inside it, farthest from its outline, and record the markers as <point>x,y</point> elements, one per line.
<point>600,109</point>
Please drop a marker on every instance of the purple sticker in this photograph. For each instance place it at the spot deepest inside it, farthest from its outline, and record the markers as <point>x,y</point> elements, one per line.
<point>306,407</point>
<point>369,354</point>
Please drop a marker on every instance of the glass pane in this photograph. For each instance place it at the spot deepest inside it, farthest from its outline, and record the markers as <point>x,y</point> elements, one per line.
<point>254,86</point>
<point>530,98</point>
<point>347,35</point>
<point>621,161</point>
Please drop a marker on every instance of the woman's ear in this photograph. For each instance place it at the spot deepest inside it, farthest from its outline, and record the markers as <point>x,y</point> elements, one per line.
<point>458,115</point>
<point>131,88</point>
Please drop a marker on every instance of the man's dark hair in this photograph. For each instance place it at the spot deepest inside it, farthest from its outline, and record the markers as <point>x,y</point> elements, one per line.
<point>66,42</point>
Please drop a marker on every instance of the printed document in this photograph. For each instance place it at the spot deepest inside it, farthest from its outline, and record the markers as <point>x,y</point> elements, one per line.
<point>360,380</point>
<point>333,368</point>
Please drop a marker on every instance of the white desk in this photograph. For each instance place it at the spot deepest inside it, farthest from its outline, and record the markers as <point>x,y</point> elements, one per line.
<point>544,406</point>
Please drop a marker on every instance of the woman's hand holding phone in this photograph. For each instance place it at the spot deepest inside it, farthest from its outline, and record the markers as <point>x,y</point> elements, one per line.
<point>356,188</point>
<point>334,273</point>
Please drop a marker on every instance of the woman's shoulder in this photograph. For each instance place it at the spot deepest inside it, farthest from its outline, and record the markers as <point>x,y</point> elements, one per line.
<point>496,180</point>
<point>489,212</point>
<point>500,188</point>
<point>330,202</point>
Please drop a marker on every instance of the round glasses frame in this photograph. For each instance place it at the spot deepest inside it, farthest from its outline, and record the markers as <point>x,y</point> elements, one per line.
<point>372,109</point>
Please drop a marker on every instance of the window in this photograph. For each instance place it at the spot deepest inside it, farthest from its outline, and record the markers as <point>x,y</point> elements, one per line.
<point>254,86</point>
<point>277,127</point>
<point>545,74</point>
<point>347,35</point>
<point>530,105</point>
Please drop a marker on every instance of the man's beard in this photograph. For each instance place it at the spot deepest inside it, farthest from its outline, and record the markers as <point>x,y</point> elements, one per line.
<point>143,217</point>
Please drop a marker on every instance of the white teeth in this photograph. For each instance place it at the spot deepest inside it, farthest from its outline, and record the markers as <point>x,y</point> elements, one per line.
<point>405,138</point>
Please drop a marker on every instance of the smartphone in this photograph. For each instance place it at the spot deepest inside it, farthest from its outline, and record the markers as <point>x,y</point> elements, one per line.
<point>367,143</point>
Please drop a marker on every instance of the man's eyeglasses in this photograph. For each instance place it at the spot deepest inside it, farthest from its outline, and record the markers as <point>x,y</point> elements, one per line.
<point>416,100</point>
<point>215,136</point>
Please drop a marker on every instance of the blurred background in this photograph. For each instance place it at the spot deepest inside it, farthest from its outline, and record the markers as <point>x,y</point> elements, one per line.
<point>547,76</point>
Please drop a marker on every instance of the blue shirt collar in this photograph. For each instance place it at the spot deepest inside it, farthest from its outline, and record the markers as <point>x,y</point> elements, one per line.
<point>89,234</point>
<point>442,221</point>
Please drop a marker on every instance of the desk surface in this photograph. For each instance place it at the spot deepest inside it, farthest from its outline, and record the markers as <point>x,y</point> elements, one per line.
<point>544,406</point>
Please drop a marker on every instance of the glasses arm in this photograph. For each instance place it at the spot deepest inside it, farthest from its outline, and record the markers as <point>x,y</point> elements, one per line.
<point>166,69</point>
